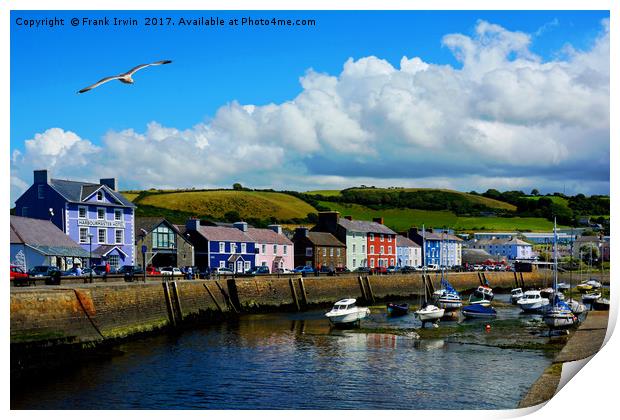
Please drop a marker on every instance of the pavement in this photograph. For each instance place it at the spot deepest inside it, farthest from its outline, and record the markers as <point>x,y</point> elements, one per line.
<point>585,341</point>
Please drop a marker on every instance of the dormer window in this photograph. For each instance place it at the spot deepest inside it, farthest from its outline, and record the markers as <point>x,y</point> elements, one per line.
<point>99,195</point>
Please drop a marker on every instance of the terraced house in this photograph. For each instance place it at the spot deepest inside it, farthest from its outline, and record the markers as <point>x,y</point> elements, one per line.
<point>273,249</point>
<point>223,247</point>
<point>512,248</point>
<point>409,254</point>
<point>95,215</point>
<point>318,249</point>
<point>439,247</point>
<point>165,244</point>
<point>369,244</point>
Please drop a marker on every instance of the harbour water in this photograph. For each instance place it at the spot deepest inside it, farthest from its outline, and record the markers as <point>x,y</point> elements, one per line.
<point>296,361</point>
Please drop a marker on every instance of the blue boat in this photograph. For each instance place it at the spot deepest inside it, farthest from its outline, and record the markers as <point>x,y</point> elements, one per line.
<point>479,311</point>
<point>395,309</point>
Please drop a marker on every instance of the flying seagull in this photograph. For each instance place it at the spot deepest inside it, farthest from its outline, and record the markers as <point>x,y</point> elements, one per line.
<point>124,77</point>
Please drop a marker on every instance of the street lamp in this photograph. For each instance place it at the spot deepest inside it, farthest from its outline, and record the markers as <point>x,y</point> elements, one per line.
<point>90,255</point>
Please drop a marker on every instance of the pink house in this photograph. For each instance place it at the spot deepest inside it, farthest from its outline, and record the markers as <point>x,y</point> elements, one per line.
<point>273,249</point>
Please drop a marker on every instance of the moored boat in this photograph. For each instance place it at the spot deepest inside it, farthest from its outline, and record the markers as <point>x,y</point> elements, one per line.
<point>563,286</point>
<point>515,295</point>
<point>429,313</point>
<point>449,299</point>
<point>479,311</point>
<point>396,309</point>
<point>601,304</point>
<point>576,307</point>
<point>589,298</point>
<point>483,295</point>
<point>547,292</point>
<point>532,301</point>
<point>346,312</point>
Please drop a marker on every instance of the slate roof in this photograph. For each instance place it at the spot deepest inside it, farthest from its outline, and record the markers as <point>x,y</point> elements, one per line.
<point>102,250</point>
<point>403,241</point>
<point>364,226</point>
<point>324,239</point>
<point>44,236</point>
<point>268,236</point>
<point>475,255</point>
<point>217,233</point>
<point>438,236</point>
<point>77,192</point>
<point>501,241</point>
<point>150,223</point>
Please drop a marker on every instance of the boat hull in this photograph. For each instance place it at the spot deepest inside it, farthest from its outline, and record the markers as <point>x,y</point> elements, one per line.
<point>397,310</point>
<point>534,306</point>
<point>601,304</point>
<point>559,319</point>
<point>430,314</point>
<point>478,311</point>
<point>349,318</point>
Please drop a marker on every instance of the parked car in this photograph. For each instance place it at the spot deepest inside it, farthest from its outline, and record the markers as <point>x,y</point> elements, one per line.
<point>152,271</point>
<point>378,270</point>
<point>130,269</point>
<point>19,277</point>
<point>392,269</point>
<point>170,271</point>
<point>363,270</point>
<point>408,269</point>
<point>303,269</point>
<point>327,270</point>
<point>478,267</point>
<point>43,270</point>
<point>72,272</point>
<point>261,269</point>
<point>99,270</point>
<point>284,271</point>
<point>342,270</point>
<point>222,270</point>
<point>432,267</point>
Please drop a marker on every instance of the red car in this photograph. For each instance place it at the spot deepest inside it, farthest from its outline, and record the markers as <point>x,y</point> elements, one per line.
<point>378,270</point>
<point>19,276</point>
<point>152,271</point>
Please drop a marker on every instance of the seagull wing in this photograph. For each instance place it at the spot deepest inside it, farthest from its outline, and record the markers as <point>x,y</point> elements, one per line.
<point>141,66</point>
<point>100,82</point>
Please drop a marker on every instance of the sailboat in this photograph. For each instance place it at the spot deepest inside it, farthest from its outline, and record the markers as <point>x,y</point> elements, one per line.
<point>447,297</point>
<point>427,311</point>
<point>559,315</point>
<point>575,306</point>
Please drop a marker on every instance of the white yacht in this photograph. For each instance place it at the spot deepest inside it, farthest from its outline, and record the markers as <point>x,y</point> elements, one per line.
<point>515,295</point>
<point>532,301</point>
<point>429,313</point>
<point>346,312</point>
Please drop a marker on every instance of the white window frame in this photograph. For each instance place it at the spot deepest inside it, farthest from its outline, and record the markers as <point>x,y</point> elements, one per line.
<point>100,208</point>
<point>372,249</point>
<point>100,193</point>
<point>285,250</point>
<point>119,212</point>
<point>275,249</point>
<point>324,251</point>
<point>382,250</point>
<point>389,249</point>
<point>353,246</point>
<point>222,264</point>
<point>222,248</point>
<point>337,252</point>
<point>372,262</point>
<point>116,241</point>
<point>371,236</point>
<point>382,237</point>
<point>309,251</point>
<point>246,265</point>
<point>331,252</point>
<point>85,208</point>
<point>233,248</point>
<point>105,235</point>
<point>83,229</point>
<point>263,249</point>
<point>244,248</point>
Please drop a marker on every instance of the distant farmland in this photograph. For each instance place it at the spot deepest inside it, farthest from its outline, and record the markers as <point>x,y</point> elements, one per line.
<point>402,219</point>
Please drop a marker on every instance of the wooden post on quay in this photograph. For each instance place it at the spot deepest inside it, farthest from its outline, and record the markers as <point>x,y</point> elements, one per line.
<point>213,297</point>
<point>372,296</point>
<point>361,283</point>
<point>294,293</point>
<point>302,287</point>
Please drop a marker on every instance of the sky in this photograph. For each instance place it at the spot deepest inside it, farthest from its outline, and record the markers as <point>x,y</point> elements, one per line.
<point>469,100</point>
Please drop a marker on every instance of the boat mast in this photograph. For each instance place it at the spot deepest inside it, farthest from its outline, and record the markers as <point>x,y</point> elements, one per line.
<point>570,273</point>
<point>555,258</point>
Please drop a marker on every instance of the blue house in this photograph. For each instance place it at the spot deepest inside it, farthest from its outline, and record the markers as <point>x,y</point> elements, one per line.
<point>96,216</point>
<point>222,246</point>
<point>439,247</point>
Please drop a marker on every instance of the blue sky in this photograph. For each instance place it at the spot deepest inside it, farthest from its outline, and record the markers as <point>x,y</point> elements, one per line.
<point>213,67</point>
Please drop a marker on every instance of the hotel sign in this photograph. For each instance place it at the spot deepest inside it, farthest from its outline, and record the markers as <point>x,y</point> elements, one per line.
<point>101,223</point>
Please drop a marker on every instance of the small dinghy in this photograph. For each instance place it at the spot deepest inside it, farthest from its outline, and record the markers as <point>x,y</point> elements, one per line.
<point>429,313</point>
<point>397,309</point>
<point>479,311</point>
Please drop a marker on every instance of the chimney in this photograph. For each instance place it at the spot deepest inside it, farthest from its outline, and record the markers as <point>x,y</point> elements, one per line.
<point>276,228</point>
<point>192,223</point>
<point>348,217</point>
<point>413,232</point>
<point>328,220</point>
<point>301,232</point>
<point>109,182</point>
<point>242,226</point>
<point>378,220</point>
<point>40,177</point>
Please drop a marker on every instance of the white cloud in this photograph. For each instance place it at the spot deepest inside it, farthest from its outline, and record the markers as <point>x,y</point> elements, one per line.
<point>506,117</point>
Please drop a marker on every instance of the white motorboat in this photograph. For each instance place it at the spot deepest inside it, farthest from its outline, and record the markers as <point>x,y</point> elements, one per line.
<point>483,295</point>
<point>429,313</point>
<point>515,295</point>
<point>346,312</point>
<point>532,301</point>
<point>563,286</point>
<point>588,298</point>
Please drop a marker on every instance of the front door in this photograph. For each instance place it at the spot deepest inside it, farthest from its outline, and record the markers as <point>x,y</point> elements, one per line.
<point>239,266</point>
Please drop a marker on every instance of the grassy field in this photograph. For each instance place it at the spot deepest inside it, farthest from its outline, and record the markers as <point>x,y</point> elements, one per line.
<point>489,202</point>
<point>402,219</point>
<point>557,200</point>
<point>261,205</point>
<point>130,195</point>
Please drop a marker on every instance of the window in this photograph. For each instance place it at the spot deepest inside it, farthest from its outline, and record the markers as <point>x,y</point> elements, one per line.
<point>372,249</point>
<point>382,237</point>
<point>389,249</point>
<point>353,248</point>
<point>222,248</point>
<point>363,249</point>
<point>82,212</point>
<point>101,236</point>
<point>275,249</point>
<point>100,214</point>
<point>40,192</point>
<point>324,252</point>
<point>371,236</point>
<point>308,251</point>
<point>114,261</point>
<point>337,252</point>
<point>222,264</point>
<point>163,237</point>
<point>382,250</point>
<point>263,249</point>
<point>331,252</point>
<point>372,262</point>
<point>83,235</point>
<point>392,261</point>
<point>118,236</point>
<point>389,238</point>
<point>244,248</point>
<point>99,195</point>
<point>246,265</point>
<point>354,262</point>
<point>233,248</point>
<point>285,249</point>
<point>118,215</point>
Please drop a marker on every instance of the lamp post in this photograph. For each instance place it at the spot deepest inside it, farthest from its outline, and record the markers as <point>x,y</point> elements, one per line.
<point>90,254</point>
